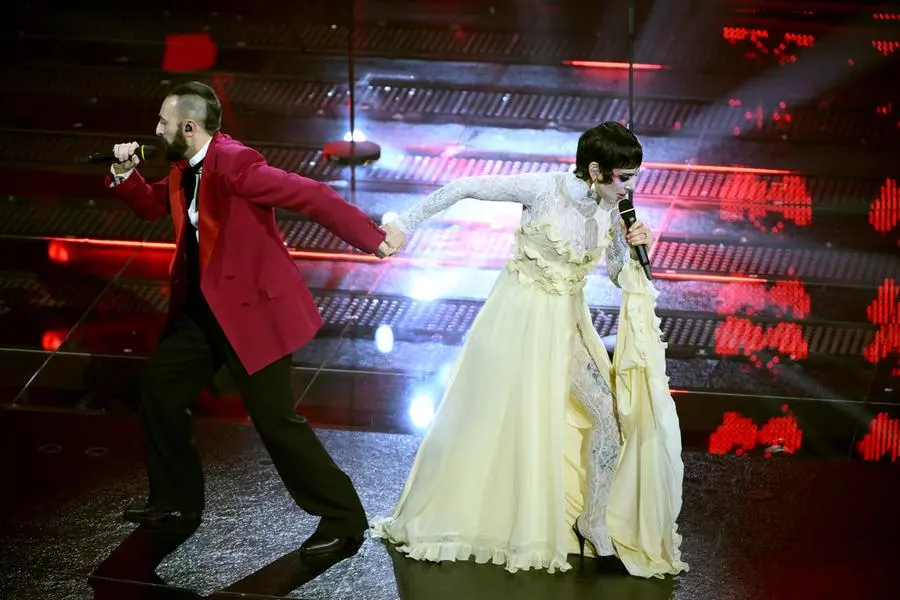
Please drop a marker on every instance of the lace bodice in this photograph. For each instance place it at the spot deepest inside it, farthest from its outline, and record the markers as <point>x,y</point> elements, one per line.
<point>563,232</point>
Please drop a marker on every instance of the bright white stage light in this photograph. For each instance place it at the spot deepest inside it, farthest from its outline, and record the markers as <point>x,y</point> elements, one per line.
<point>358,136</point>
<point>384,339</point>
<point>421,411</point>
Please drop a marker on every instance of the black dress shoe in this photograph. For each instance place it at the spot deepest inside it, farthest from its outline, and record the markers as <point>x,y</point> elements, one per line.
<point>149,514</point>
<point>319,544</point>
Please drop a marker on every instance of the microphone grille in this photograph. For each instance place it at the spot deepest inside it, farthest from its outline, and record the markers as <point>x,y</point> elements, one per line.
<point>626,204</point>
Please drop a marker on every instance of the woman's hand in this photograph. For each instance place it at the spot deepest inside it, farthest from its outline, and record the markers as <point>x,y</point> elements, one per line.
<point>393,241</point>
<point>639,235</point>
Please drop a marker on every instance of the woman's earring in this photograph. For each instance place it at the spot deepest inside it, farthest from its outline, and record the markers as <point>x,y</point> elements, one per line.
<point>594,177</point>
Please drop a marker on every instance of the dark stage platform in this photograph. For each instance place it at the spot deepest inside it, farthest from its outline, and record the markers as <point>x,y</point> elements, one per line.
<point>754,528</point>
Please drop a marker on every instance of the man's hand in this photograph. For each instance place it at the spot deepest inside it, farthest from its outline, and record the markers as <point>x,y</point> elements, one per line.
<point>384,250</point>
<point>393,236</point>
<point>393,241</point>
<point>125,154</point>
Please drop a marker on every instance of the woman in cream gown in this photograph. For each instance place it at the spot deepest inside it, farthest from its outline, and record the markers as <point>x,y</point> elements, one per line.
<point>526,443</point>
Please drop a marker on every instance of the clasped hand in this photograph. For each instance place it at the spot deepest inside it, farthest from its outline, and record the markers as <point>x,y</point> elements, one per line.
<point>393,241</point>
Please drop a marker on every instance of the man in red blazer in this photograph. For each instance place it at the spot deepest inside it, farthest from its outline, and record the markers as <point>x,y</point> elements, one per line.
<point>236,299</point>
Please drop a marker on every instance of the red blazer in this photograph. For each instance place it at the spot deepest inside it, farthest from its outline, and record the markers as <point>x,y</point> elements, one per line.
<point>247,276</point>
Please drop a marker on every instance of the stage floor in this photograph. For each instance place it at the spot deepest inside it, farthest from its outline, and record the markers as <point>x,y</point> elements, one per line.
<point>753,528</point>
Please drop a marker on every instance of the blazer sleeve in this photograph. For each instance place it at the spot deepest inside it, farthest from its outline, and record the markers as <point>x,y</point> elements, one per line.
<point>148,201</point>
<point>256,181</point>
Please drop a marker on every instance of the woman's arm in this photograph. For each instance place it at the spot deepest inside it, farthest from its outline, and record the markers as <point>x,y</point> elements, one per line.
<point>522,189</point>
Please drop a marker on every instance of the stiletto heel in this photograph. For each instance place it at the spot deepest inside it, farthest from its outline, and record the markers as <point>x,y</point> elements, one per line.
<point>580,540</point>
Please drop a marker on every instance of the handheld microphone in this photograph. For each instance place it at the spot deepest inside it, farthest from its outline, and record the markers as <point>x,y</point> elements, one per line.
<point>142,152</point>
<point>626,211</point>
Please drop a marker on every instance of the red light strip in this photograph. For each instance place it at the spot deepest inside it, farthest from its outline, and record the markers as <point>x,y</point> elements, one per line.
<point>366,258</point>
<point>712,278</point>
<point>733,169</point>
<point>603,64</point>
<point>716,168</point>
<point>706,168</point>
<point>302,254</point>
<point>167,246</point>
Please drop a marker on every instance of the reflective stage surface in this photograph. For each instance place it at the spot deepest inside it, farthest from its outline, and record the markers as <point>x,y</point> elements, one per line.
<point>753,529</point>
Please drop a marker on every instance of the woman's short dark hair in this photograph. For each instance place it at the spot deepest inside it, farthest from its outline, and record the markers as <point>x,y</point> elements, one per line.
<point>201,104</point>
<point>612,146</point>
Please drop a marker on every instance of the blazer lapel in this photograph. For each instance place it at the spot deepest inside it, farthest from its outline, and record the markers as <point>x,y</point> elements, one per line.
<point>177,205</point>
<point>208,219</point>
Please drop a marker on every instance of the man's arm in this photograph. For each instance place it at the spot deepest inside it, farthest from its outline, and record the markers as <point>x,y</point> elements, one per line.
<point>148,201</point>
<point>256,181</point>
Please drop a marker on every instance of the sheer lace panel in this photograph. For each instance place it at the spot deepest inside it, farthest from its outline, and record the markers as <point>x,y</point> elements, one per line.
<point>603,445</point>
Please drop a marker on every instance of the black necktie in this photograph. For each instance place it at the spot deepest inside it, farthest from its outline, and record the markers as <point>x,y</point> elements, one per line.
<point>189,181</point>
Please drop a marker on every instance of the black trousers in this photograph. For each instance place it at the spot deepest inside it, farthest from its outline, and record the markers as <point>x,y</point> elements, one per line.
<point>189,353</point>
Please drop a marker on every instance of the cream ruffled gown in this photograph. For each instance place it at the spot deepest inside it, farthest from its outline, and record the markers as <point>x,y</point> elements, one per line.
<point>528,436</point>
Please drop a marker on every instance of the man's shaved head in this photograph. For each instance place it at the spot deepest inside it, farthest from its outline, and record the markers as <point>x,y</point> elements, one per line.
<point>198,102</point>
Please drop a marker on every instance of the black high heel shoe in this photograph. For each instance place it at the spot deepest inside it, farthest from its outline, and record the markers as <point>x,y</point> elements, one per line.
<point>605,563</point>
<point>581,541</point>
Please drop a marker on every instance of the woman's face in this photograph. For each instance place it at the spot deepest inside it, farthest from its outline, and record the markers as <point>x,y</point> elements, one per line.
<point>623,181</point>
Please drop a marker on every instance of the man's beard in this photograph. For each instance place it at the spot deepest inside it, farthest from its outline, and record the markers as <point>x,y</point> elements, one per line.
<point>175,149</point>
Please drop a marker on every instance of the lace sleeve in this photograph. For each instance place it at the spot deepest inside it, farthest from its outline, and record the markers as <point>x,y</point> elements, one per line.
<point>617,250</point>
<point>522,188</point>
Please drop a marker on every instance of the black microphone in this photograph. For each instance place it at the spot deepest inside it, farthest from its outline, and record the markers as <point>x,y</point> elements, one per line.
<point>626,211</point>
<point>142,152</point>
